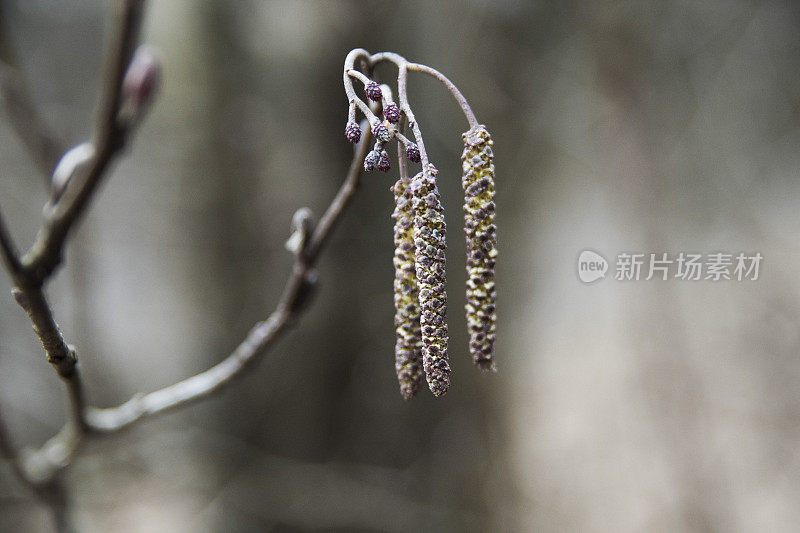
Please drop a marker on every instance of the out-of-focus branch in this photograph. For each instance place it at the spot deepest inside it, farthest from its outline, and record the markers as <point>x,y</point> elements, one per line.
<point>38,468</point>
<point>130,83</point>
<point>58,353</point>
<point>402,63</point>
<point>8,249</point>
<point>109,138</point>
<point>43,146</point>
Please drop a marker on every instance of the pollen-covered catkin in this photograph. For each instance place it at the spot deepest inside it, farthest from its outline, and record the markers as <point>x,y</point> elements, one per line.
<point>480,229</point>
<point>429,247</point>
<point>408,348</point>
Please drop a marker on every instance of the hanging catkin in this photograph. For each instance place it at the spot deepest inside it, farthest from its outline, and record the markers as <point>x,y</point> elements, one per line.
<point>408,347</point>
<point>429,247</point>
<point>480,230</point>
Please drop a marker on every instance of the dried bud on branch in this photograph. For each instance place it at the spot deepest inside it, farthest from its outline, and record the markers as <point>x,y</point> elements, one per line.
<point>429,246</point>
<point>479,227</point>
<point>408,348</point>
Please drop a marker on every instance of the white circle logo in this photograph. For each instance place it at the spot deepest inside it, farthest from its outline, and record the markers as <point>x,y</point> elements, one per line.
<point>591,266</point>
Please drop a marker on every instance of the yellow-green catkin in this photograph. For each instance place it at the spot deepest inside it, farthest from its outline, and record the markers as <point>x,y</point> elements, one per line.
<point>408,348</point>
<point>480,230</point>
<point>429,249</point>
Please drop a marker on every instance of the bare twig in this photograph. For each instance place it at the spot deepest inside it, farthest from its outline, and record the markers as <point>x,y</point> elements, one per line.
<point>260,338</point>
<point>349,72</point>
<point>401,62</point>
<point>38,468</point>
<point>402,166</point>
<point>109,138</point>
<point>59,354</point>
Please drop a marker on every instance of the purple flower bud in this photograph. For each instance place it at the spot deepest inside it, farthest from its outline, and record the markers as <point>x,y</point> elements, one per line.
<point>373,91</point>
<point>381,132</point>
<point>352,132</point>
<point>371,161</point>
<point>412,152</point>
<point>384,163</point>
<point>392,113</point>
<point>142,79</point>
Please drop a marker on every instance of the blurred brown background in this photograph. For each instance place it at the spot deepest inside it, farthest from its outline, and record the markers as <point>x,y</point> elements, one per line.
<point>619,126</point>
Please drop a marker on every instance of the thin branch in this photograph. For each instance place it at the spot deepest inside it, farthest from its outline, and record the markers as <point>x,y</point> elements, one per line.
<point>58,353</point>
<point>109,138</point>
<point>401,63</point>
<point>260,338</point>
<point>341,200</point>
<point>38,468</point>
<point>402,95</point>
<point>49,490</point>
<point>402,165</point>
<point>349,73</point>
<point>473,122</point>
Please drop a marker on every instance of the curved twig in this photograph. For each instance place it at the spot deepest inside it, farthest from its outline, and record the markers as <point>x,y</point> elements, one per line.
<point>260,338</point>
<point>401,62</point>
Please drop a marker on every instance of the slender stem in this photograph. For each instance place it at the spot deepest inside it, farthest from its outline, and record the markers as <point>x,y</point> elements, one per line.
<point>402,165</point>
<point>342,198</point>
<point>400,61</point>
<point>349,72</point>
<point>38,468</point>
<point>58,352</point>
<point>109,138</point>
<point>473,122</point>
<point>260,338</point>
<point>402,95</point>
<point>400,137</point>
<point>360,103</point>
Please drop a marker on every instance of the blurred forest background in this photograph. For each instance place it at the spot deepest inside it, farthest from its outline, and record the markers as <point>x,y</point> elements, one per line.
<point>620,126</point>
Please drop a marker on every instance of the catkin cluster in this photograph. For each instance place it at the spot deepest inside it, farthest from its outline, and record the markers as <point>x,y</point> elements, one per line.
<point>429,247</point>
<point>419,227</point>
<point>408,347</point>
<point>480,230</point>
